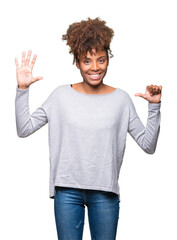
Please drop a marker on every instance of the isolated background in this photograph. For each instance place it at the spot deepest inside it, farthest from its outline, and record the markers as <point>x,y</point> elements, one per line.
<point>145,52</point>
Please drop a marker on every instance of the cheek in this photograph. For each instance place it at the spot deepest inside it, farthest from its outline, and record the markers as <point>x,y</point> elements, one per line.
<point>84,69</point>
<point>104,68</point>
<point>83,72</point>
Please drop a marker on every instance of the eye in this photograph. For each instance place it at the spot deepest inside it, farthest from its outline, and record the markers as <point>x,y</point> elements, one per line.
<point>102,60</point>
<point>86,61</point>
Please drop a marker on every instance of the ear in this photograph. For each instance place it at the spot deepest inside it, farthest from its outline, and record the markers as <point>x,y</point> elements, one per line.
<point>77,64</point>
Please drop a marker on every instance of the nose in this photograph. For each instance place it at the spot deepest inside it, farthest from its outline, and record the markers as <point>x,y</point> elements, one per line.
<point>95,66</point>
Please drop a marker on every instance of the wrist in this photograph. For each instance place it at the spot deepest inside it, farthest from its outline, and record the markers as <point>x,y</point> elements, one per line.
<point>155,102</point>
<point>22,87</point>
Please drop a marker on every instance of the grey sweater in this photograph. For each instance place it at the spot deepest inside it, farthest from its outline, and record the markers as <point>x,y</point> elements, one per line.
<point>87,134</point>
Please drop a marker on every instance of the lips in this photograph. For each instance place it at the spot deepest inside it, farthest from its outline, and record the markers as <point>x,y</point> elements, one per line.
<point>94,76</point>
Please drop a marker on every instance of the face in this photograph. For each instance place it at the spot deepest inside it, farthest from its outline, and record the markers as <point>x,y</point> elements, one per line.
<point>93,67</point>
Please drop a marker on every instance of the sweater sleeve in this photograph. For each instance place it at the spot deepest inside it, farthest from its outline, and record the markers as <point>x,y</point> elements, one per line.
<point>27,123</point>
<point>146,137</point>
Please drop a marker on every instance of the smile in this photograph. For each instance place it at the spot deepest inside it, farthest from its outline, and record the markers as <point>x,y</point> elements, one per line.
<point>94,76</point>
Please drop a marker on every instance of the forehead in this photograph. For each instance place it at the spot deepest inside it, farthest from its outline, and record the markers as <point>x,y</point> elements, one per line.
<point>95,54</point>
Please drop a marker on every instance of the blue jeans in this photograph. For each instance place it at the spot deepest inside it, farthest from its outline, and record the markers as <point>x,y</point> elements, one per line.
<point>69,208</point>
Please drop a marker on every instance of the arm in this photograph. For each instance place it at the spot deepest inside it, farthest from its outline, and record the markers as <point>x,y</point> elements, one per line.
<point>26,123</point>
<point>147,137</point>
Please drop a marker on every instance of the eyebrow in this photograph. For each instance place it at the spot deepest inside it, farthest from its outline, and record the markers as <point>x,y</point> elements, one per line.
<point>90,58</point>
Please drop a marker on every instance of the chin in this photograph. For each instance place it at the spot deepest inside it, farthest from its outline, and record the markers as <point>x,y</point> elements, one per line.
<point>94,84</point>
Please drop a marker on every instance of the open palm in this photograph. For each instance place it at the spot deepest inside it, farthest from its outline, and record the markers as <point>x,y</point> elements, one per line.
<point>24,72</point>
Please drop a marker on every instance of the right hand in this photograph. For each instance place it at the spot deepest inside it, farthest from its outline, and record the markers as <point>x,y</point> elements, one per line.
<point>24,73</point>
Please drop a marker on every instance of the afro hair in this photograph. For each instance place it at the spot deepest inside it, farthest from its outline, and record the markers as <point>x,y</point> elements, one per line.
<point>87,35</point>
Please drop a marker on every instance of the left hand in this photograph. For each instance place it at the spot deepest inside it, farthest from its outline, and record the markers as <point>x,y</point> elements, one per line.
<point>153,94</point>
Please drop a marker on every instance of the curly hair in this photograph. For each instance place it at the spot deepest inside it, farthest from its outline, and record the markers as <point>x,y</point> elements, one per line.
<point>87,35</point>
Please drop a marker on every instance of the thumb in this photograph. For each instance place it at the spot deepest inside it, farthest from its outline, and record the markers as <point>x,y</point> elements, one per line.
<point>140,95</point>
<point>37,78</point>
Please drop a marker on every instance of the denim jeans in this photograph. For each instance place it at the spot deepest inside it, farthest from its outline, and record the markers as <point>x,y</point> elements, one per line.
<point>69,209</point>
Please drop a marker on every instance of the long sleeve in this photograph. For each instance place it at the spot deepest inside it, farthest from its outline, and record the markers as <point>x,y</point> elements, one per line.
<point>27,123</point>
<point>146,137</point>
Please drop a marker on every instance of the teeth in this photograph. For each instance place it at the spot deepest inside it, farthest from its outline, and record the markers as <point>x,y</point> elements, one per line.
<point>94,75</point>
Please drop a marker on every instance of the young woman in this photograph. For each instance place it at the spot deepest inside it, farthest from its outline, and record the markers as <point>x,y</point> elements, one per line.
<point>88,123</point>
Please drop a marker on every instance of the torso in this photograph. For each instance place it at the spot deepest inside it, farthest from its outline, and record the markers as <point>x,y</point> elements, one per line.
<point>107,89</point>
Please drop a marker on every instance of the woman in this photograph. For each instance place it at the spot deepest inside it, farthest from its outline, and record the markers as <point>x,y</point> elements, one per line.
<point>88,124</point>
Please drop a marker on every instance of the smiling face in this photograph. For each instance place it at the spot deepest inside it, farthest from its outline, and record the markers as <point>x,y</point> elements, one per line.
<point>93,67</point>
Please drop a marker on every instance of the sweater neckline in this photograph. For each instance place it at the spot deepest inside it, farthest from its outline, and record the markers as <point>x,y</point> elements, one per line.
<point>85,94</point>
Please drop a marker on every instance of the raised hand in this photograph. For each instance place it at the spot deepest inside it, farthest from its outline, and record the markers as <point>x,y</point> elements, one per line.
<point>24,73</point>
<point>152,94</point>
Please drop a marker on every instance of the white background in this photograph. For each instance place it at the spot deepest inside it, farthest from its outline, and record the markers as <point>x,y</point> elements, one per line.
<point>145,52</point>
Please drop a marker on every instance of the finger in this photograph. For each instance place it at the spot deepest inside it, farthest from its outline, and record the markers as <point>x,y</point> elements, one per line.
<point>140,95</point>
<point>150,89</point>
<point>16,63</point>
<point>160,87</point>
<point>28,58</point>
<point>37,78</point>
<point>23,58</point>
<point>156,90</point>
<point>33,61</point>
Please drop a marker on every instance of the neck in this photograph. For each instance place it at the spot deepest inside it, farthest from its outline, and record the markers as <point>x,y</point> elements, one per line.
<point>93,89</point>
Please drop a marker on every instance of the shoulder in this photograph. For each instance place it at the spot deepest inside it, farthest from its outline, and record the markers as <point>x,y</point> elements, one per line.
<point>124,98</point>
<point>58,91</point>
<point>123,94</point>
<point>56,94</point>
